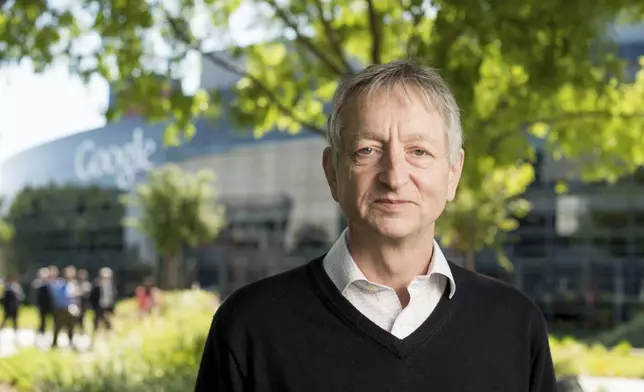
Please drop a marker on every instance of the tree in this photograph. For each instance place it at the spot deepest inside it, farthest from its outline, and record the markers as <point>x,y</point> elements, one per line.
<point>6,229</point>
<point>176,208</point>
<point>65,225</point>
<point>544,69</point>
<point>6,234</point>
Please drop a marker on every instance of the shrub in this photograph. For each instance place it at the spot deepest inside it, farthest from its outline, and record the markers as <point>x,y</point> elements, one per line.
<point>574,358</point>
<point>159,353</point>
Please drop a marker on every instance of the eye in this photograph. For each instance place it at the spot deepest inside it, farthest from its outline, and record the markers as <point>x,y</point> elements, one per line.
<point>365,151</point>
<point>419,152</point>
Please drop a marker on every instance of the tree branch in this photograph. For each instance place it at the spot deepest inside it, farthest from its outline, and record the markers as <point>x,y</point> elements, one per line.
<point>241,72</point>
<point>416,19</point>
<point>376,33</point>
<point>585,114</point>
<point>332,36</point>
<point>304,40</point>
<point>495,142</point>
<point>449,32</point>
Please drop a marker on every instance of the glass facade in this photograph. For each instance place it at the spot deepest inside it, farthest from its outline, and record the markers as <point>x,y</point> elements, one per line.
<point>580,255</point>
<point>63,199</point>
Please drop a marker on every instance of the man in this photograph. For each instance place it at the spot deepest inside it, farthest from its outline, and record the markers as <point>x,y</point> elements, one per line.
<point>64,296</point>
<point>103,299</point>
<point>11,301</point>
<point>84,291</point>
<point>42,295</point>
<point>383,310</point>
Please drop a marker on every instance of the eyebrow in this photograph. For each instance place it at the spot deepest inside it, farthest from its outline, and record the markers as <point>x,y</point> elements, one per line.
<point>373,136</point>
<point>365,135</point>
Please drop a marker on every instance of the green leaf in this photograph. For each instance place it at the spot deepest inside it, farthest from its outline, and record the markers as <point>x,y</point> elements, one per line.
<point>171,137</point>
<point>561,188</point>
<point>540,130</point>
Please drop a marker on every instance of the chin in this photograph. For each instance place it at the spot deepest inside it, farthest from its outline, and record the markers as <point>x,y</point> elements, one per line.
<point>394,228</point>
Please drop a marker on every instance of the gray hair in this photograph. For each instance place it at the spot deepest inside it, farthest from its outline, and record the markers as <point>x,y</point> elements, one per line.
<point>405,73</point>
<point>105,272</point>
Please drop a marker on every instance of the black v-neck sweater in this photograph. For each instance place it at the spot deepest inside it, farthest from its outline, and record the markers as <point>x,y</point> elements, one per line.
<point>295,332</point>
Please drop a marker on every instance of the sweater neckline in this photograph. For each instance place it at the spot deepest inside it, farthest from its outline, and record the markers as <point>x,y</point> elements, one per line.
<point>402,348</point>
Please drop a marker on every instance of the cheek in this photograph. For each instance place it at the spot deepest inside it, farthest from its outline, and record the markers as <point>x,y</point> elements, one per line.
<point>432,184</point>
<point>355,186</point>
<point>344,185</point>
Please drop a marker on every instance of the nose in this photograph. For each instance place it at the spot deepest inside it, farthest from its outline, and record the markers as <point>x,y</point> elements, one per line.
<point>394,172</point>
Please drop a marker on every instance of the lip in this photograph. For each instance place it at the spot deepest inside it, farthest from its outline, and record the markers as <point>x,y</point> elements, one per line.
<point>391,204</point>
<point>392,201</point>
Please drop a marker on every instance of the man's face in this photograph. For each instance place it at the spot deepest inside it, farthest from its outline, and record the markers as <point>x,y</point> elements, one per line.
<point>393,177</point>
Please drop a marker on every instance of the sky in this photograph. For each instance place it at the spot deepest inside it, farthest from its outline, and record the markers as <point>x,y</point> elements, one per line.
<point>37,108</point>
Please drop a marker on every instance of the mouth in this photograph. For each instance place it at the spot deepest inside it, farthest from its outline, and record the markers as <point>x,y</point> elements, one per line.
<point>392,202</point>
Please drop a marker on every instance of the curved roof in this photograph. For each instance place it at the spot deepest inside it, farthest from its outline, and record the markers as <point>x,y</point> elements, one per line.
<point>120,153</point>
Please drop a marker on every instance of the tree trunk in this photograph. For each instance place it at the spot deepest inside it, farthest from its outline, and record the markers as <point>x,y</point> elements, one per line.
<point>180,282</point>
<point>4,265</point>
<point>171,272</point>
<point>470,260</point>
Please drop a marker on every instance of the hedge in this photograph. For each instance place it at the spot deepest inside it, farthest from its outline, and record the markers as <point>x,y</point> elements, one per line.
<point>159,353</point>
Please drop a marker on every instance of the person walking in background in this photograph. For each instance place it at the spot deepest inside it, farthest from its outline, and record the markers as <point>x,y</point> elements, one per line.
<point>65,310</point>
<point>72,288</point>
<point>42,297</point>
<point>84,293</point>
<point>103,299</point>
<point>147,296</point>
<point>11,301</point>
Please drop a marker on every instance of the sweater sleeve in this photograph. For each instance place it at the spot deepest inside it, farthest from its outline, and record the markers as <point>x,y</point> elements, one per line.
<point>542,376</point>
<point>219,370</point>
<point>542,373</point>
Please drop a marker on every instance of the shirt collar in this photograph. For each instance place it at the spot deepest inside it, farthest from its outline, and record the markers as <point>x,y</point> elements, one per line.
<point>343,270</point>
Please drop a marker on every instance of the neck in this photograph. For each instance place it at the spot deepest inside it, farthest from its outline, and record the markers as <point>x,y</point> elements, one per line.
<point>392,263</point>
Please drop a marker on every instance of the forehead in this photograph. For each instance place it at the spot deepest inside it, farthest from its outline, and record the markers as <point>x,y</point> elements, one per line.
<point>406,108</point>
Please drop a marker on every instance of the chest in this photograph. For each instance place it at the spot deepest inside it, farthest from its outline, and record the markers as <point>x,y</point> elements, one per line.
<point>337,358</point>
<point>382,305</point>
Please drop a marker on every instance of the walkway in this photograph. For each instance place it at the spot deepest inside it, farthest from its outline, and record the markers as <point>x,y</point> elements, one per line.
<point>10,343</point>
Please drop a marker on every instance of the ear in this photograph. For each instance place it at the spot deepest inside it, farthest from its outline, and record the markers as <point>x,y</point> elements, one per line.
<point>455,171</point>
<point>330,172</point>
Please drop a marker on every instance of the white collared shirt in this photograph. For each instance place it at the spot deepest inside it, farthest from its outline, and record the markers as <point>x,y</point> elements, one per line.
<point>380,303</point>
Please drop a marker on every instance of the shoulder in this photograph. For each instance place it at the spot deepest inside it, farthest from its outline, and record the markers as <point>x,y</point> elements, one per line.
<point>498,300</point>
<point>264,300</point>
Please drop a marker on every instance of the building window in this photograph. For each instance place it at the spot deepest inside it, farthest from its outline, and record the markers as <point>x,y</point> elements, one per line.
<point>570,212</point>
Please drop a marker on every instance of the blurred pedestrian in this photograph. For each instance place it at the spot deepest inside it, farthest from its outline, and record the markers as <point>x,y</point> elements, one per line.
<point>84,293</point>
<point>42,296</point>
<point>11,301</point>
<point>103,299</point>
<point>147,296</point>
<point>64,294</point>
